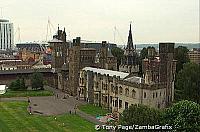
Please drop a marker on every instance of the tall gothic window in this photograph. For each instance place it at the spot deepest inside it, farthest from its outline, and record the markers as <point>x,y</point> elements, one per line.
<point>145,95</point>
<point>126,92</point>
<point>133,93</point>
<point>120,90</point>
<point>116,90</point>
<point>111,87</point>
<point>97,85</point>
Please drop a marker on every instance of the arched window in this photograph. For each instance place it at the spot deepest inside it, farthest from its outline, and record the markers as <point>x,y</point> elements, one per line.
<point>120,90</point>
<point>133,93</point>
<point>97,85</point>
<point>111,87</point>
<point>145,94</point>
<point>127,92</point>
<point>82,81</point>
<point>106,87</point>
<point>116,90</point>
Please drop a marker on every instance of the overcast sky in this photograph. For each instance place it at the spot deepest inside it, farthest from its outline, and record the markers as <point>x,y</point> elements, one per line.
<point>153,20</point>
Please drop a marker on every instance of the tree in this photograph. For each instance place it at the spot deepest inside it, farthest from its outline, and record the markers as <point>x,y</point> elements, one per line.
<point>183,116</point>
<point>188,83</point>
<point>22,84</point>
<point>13,86</point>
<point>181,55</point>
<point>141,115</point>
<point>144,52</point>
<point>37,81</point>
<point>118,53</point>
<point>143,55</point>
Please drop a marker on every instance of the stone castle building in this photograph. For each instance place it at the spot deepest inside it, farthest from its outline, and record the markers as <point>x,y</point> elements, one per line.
<point>106,59</point>
<point>118,90</point>
<point>68,61</point>
<point>129,63</point>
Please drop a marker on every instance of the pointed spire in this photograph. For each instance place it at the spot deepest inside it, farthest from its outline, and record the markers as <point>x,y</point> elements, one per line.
<point>58,27</point>
<point>130,39</point>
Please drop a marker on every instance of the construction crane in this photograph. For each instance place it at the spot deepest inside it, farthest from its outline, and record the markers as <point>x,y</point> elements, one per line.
<point>118,33</point>
<point>49,30</point>
<point>1,12</point>
<point>18,34</point>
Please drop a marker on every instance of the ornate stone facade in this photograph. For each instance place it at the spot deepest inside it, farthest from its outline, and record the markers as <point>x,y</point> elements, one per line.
<point>129,63</point>
<point>67,62</point>
<point>118,90</point>
<point>161,69</point>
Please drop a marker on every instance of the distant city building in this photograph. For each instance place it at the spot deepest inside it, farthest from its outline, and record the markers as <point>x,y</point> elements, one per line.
<point>129,63</point>
<point>194,55</point>
<point>97,45</point>
<point>14,64</point>
<point>6,34</point>
<point>30,52</point>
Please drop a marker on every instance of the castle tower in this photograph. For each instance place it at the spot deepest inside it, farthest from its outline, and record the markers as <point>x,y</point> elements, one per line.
<point>129,62</point>
<point>57,59</point>
<point>106,59</point>
<point>103,54</point>
<point>74,66</point>
<point>111,61</point>
<point>167,69</point>
<point>59,48</point>
<point>63,78</point>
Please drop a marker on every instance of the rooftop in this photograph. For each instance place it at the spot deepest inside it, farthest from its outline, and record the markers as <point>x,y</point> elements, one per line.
<point>109,72</point>
<point>4,20</point>
<point>88,49</point>
<point>135,79</point>
<point>55,40</point>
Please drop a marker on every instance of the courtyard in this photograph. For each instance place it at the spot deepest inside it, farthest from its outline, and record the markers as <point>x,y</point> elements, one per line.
<point>50,111</point>
<point>15,118</point>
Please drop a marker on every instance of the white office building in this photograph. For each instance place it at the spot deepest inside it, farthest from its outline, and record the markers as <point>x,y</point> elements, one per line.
<point>6,35</point>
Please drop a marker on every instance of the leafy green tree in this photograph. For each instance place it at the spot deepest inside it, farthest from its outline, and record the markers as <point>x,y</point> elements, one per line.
<point>118,53</point>
<point>141,115</point>
<point>22,84</point>
<point>144,52</point>
<point>181,55</point>
<point>143,55</point>
<point>184,116</point>
<point>37,81</point>
<point>188,83</point>
<point>18,84</point>
<point>13,86</point>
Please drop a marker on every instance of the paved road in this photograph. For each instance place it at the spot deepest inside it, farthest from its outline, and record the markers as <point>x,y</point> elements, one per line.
<point>51,105</point>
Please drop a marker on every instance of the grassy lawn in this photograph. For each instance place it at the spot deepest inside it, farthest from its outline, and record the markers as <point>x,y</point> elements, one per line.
<point>93,110</point>
<point>30,93</point>
<point>15,118</point>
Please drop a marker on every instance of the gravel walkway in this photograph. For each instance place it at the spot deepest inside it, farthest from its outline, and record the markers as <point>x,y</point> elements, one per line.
<point>54,105</point>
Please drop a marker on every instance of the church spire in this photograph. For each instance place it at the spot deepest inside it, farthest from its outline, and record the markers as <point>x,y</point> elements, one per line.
<point>130,40</point>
